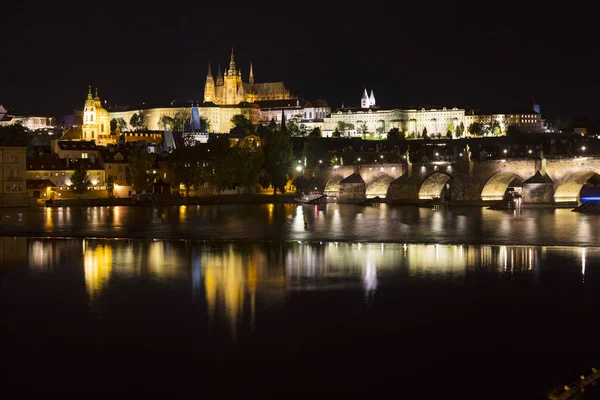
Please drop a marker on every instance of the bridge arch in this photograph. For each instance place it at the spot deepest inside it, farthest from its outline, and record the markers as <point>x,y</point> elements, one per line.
<point>569,187</point>
<point>332,186</point>
<point>496,186</point>
<point>379,186</point>
<point>432,187</point>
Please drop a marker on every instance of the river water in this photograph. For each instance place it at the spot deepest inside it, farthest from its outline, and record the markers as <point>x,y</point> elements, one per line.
<point>428,303</point>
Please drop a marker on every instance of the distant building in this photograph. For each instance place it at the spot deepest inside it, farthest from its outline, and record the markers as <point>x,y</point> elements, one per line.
<point>13,190</point>
<point>96,121</point>
<point>29,122</point>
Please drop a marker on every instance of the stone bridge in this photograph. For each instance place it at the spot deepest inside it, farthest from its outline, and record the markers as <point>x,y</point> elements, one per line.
<point>542,180</point>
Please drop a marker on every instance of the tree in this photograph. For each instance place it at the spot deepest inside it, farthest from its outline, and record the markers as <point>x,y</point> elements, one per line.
<point>316,149</point>
<point>188,163</point>
<point>363,129</point>
<point>137,121</point>
<point>475,129</point>
<point>240,121</point>
<point>303,130</point>
<point>496,130</point>
<point>204,124</point>
<point>315,132</point>
<point>166,122</point>
<point>181,120</point>
<point>247,163</point>
<point>80,180</point>
<point>293,129</point>
<point>395,134</point>
<point>460,129</point>
<point>424,133</point>
<point>512,131</point>
<point>223,162</point>
<point>279,161</point>
<point>336,133</point>
<point>110,185</point>
<point>341,127</point>
<point>448,135</point>
<point>115,121</point>
<point>450,129</point>
<point>140,162</point>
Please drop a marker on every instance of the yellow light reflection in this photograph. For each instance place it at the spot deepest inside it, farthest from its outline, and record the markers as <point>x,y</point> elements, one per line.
<point>182,213</point>
<point>228,279</point>
<point>270,209</point>
<point>97,262</point>
<point>49,222</point>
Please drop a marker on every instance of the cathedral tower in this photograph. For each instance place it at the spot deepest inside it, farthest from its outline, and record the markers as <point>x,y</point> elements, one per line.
<point>209,87</point>
<point>364,100</point>
<point>233,91</point>
<point>251,77</point>
<point>372,99</point>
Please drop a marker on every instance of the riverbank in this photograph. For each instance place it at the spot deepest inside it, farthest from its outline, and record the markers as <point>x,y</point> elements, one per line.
<point>176,200</point>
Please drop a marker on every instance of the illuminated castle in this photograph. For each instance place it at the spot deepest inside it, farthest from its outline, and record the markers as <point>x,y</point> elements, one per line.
<point>230,90</point>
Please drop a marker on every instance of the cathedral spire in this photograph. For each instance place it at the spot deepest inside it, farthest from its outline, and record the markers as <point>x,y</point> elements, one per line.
<point>219,77</point>
<point>232,63</point>
<point>96,97</point>
<point>90,92</point>
<point>251,78</point>
<point>209,74</point>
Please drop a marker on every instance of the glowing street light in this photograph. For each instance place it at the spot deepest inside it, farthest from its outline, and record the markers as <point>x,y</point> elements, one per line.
<point>320,161</point>
<point>358,158</point>
<point>583,148</point>
<point>530,151</point>
<point>299,168</point>
<point>505,151</point>
<point>437,154</point>
<point>381,157</point>
<point>460,154</point>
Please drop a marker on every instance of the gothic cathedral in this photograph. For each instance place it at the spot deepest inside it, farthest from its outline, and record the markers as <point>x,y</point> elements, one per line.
<point>230,90</point>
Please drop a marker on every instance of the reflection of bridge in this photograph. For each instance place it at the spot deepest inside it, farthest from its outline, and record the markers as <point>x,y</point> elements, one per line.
<point>542,180</point>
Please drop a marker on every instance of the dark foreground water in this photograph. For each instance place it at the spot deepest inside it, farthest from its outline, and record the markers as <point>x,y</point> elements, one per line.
<point>427,321</point>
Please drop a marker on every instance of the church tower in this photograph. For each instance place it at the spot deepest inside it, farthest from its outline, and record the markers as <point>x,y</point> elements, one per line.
<point>251,77</point>
<point>364,100</point>
<point>209,87</point>
<point>372,99</point>
<point>89,129</point>
<point>219,77</point>
<point>233,92</point>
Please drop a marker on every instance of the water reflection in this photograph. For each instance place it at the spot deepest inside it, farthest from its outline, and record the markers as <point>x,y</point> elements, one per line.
<point>97,265</point>
<point>232,282</point>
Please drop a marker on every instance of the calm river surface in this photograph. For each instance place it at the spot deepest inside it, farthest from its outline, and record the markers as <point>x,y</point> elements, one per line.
<point>460,303</point>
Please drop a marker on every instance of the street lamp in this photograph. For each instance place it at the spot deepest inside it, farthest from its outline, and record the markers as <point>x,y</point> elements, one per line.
<point>583,148</point>
<point>530,151</point>
<point>505,151</point>
<point>299,168</point>
<point>381,157</point>
<point>320,161</point>
<point>358,158</point>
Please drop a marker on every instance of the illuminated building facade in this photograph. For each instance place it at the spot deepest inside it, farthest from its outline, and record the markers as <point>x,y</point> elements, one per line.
<point>96,121</point>
<point>229,89</point>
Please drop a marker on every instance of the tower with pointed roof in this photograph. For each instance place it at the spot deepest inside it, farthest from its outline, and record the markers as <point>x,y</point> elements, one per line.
<point>96,120</point>
<point>367,101</point>
<point>251,77</point>
<point>364,100</point>
<point>209,87</point>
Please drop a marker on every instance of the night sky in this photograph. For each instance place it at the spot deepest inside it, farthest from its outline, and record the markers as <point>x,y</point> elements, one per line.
<point>480,55</point>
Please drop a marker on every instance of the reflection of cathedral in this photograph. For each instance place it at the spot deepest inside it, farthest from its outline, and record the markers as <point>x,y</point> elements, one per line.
<point>229,88</point>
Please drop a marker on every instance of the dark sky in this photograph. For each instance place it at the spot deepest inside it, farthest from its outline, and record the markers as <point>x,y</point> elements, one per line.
<point>466,54</point>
